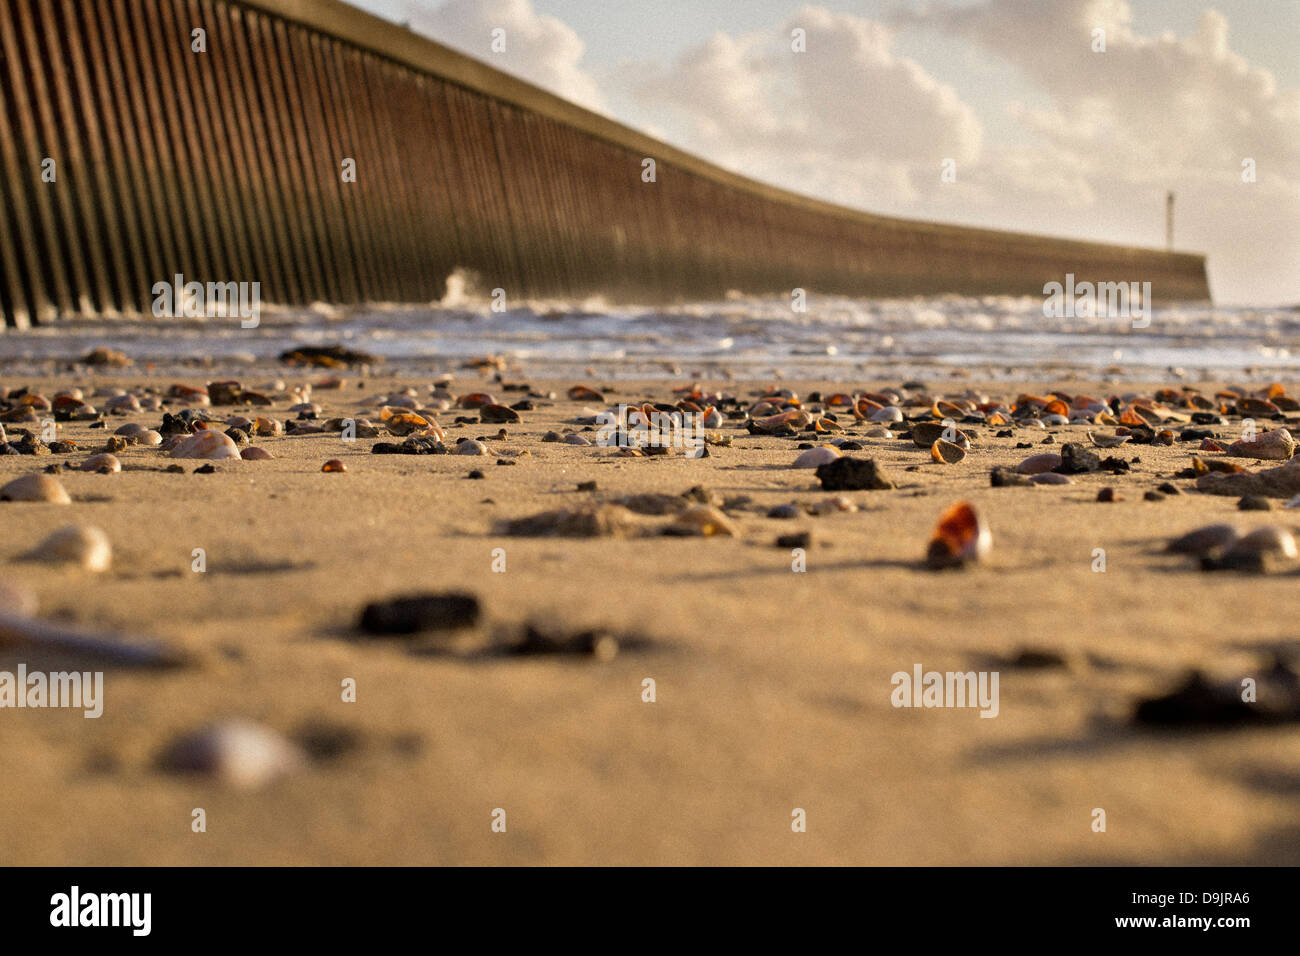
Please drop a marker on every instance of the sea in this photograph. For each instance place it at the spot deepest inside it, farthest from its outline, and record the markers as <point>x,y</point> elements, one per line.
<point>837,339</point>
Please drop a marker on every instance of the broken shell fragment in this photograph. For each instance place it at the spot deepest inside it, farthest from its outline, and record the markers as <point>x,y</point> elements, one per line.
<point>36,488</point>
<point>84,546</point>
<point>959,538</point>
<point>1108,441</point>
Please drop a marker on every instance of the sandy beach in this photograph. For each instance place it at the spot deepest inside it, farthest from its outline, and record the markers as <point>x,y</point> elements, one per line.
<point>772,685</point>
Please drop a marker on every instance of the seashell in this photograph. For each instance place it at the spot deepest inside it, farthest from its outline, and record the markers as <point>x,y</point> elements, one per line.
<point>879,432</point>
<point>103,463</point>
<point>1055,408</point>
<point>1108,441</point>
<point>1032,423</point>
<point>334,465</point>
<point>122,404</point>
<point>35,488</point>
<point>237,753</point>
<point>573,438</point>
<point>1269,539</point>
<point>946,452</point>
<point>1276,445</point>
<point>1203,540</point>
<point>889,413</point>
<point>702,520</point>
<point>925,434</point>
<point>1037,464</point>
<point>471,446</point>
<point>253,453</point>
<point>797,418</point>
<point>959,537</point>
<point>1054,420</point>
<point>492,414</point>
<point>997,418</point>
<point>713,418</point>
<point>475,400</point>
<point>85,546</point>
<point>581,393</point>
<point>1209,444</point>
<point>268,427</point>
<point>1293,503</point>
<point>813,457</point>
<point>1051,478</point>
<point>207,444</point>
<point>832,504</point>
<point>403,423</point>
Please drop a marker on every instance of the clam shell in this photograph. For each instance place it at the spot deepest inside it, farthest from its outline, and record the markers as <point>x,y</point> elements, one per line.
<point>207,444</point>
<point>1051,478</point>
<point>572,438</point>
<point>36,488</point>
<point>1108,441</point>
<point>237,753</point>
<point>471,447</point>
<point>925,434</point>
<point>813,457</point>
<point>1037,464</point>
<point>254,453</point>
<point>1054,420</point>
<point>890,413</point>
<point>947,452</point>
<point>85,546</point>
<point>102,462</point>
<point>959,537</point>
<point>879,432</point>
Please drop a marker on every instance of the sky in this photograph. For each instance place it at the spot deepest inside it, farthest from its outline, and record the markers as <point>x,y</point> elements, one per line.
<point>1044,133</point>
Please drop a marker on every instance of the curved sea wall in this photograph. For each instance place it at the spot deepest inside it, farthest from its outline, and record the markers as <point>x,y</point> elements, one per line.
<point>129,157</point>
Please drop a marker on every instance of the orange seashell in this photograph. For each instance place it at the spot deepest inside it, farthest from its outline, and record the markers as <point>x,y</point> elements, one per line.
<point>1274,390</point>
<point>1131,417</point>
<point>1228,395</point>
<point>1057,407</point>
<point>581,393</point>
<point>997,418</point>
<point>839,400</point>
<point>476,400</point>
<point>1084,401</point>
<point>946,452</point>
<point>1256,406</point>
<point>943,409</point>
<point>333,465</point>
<point>959,537</point>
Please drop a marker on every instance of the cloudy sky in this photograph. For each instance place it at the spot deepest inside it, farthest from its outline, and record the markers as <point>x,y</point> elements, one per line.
<point>1046,134</point>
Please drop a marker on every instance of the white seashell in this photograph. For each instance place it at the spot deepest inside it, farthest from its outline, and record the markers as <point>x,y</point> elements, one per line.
<point>1108,441</point>
<point>813,457</point>
<point>890,413</point>
<point>1054,420</point>
<point>237,753</point>
<point>1032,423</point>
<point>210,444</point>
<point>879,432</point>
<point>573,438</point>
<point>1293,503</point>
<point>1269,538</point>
<point>35,488</point>
<point>85,546</point>
<point>149,437</point>
<point>102,462</point>
<point>471,447</point>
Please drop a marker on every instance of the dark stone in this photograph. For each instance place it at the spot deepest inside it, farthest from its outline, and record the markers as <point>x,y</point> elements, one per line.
<point>785,511</point>
<point>1107,494</point>
<point>800,539</point>
<point>1169,488</point>
<point>1037,659</point>
<point>1254,503</point>
<point>1005,433</point>
<point>1154,496</point>
<point>1116,466</point>
<point>524,405</point>
<point>1001,477</point>
<point>476,474</point>
<point>851,446</point>
<point>208,469</point>
<point>852,474</point>
<point>1049,440</point>
<point>1207,418</point>
<point>412,614</point>
<point>1196,434</point>
<point>586,486</point>
<point>415,445</point>
<point>1077,460</point>
<point>595,643</point>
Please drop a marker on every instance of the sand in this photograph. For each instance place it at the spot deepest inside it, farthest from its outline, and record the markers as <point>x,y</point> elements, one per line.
<point>772,687</point>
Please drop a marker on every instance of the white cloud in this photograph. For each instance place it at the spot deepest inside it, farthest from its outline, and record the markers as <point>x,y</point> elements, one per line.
<point>540,49</point>
<point>848,119</point>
